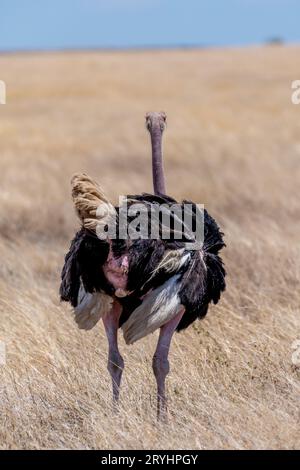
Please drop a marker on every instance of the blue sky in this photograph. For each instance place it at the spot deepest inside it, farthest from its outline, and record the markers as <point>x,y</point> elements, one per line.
<point>58,24</point>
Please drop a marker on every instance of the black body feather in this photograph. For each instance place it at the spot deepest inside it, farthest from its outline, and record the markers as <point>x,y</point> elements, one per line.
<point>202,276</point>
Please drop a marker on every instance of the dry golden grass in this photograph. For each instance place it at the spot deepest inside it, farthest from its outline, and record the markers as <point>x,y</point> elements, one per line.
<point>233,144</point>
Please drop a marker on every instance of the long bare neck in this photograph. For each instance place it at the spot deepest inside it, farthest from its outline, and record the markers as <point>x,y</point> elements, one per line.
<point>159,184</point>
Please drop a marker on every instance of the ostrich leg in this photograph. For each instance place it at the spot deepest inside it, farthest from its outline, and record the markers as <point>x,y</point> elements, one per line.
<point>160,362</point>
<point>115,363</point>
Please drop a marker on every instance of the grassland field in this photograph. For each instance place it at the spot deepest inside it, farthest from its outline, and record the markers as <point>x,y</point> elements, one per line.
<point>232,143</point>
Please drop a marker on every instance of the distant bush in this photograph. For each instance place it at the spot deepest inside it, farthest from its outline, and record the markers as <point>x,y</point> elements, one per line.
<point>275,41</point>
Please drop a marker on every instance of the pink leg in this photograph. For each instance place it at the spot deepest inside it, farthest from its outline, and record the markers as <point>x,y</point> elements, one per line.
<point>115,364</point>
<point>160,362</point>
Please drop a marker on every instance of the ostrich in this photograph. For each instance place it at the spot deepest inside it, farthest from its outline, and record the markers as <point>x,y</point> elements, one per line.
<point>140,284</point>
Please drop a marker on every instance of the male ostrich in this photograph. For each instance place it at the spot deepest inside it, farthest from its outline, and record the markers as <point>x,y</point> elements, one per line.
<point>140,284</point>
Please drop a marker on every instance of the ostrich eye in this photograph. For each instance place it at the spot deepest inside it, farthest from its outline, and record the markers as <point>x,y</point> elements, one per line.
<point>163,124</point>
<point>163,116</point>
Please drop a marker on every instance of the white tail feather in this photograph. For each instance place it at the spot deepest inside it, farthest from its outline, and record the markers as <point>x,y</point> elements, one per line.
<point>171,262</point>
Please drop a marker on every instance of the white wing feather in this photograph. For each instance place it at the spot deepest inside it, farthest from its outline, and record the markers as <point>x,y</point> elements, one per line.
<point>158,307</point>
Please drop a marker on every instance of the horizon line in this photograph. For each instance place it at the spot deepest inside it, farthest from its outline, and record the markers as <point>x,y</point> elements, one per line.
<point>141,48</point>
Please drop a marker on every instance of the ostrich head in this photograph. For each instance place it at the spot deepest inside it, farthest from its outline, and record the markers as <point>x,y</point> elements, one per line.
<point>156,123</point>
